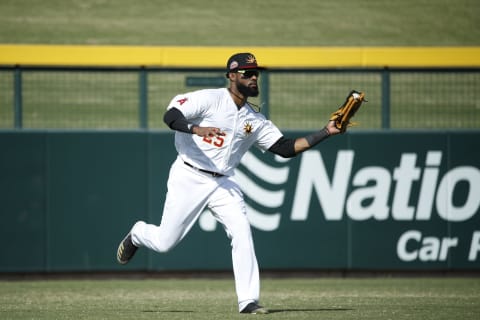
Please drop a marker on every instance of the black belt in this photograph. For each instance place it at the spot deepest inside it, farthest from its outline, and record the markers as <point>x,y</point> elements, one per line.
<point>213,174</point>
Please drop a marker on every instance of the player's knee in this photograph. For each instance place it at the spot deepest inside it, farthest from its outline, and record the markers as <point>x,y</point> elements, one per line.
<point>161,248</point>
<point>241,237</point>
<point>164,244</point>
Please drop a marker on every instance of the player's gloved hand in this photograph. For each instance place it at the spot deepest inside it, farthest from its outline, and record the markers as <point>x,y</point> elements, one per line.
<point>347,110</point>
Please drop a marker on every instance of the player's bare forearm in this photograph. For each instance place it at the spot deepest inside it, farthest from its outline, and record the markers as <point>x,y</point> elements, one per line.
<point>207,131</point>
<point>301,144</point>
<point>305,143</point>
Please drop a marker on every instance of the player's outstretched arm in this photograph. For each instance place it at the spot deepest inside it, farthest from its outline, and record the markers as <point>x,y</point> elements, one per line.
<point>289,148</point>
<point>307,142</point>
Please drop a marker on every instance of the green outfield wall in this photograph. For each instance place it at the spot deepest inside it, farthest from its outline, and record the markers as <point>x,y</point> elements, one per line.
<point>391,200</point>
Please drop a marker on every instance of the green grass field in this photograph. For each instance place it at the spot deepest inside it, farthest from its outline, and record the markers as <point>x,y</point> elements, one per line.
<point>208,299</point>
<point>245,23</point>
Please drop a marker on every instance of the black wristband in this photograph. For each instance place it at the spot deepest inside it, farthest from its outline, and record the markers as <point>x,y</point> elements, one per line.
<point>190,127</point>
<point>317,137</point>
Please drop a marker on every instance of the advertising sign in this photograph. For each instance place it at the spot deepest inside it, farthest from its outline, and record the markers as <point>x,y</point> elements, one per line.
<point>378,201</point>
<point>359,201</point>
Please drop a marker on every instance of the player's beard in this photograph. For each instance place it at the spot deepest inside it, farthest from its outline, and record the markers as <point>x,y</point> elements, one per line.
<point>247,91</point>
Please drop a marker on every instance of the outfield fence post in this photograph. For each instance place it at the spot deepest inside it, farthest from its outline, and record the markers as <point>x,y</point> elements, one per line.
<point>386,98</point>
<point>143,98</point>
<point>17,92</point>
<point>265,93</point>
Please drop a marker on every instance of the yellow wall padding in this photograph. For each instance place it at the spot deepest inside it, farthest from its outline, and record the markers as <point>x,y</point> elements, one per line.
<point>273,57</point>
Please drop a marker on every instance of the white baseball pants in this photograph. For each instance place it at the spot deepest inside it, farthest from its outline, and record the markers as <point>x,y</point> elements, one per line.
<point>224,198</point>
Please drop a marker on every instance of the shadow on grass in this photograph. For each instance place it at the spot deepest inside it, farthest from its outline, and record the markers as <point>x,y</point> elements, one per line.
<point>270,310</point>
<point>307,310</point>
<point>169,311</point>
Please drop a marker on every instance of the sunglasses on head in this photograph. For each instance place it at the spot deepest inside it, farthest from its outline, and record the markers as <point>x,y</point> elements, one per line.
<point>247,74</point>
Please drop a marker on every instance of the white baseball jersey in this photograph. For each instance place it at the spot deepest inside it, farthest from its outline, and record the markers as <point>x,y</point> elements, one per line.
<point>215,108</point>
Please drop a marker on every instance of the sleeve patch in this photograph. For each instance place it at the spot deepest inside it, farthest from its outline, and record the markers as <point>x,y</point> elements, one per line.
<point>182,101</point>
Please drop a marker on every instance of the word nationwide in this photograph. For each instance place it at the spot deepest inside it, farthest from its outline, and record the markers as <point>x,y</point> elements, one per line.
<point>374,185</point>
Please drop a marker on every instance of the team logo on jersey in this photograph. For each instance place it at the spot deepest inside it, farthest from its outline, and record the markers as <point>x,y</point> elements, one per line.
<point>247,128</point>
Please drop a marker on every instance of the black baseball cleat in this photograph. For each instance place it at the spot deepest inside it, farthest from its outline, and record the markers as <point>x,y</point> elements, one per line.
<point>126,250</point>
<point>254,308</point>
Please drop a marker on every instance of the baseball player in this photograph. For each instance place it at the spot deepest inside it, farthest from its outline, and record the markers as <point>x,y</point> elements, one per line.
<point>214,128</point>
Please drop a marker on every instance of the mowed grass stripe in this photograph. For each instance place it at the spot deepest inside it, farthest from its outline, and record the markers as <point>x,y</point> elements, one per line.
<point>289,298</point>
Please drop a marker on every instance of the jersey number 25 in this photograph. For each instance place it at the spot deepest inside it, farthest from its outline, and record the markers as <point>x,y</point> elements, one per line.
<point>216,141</point>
